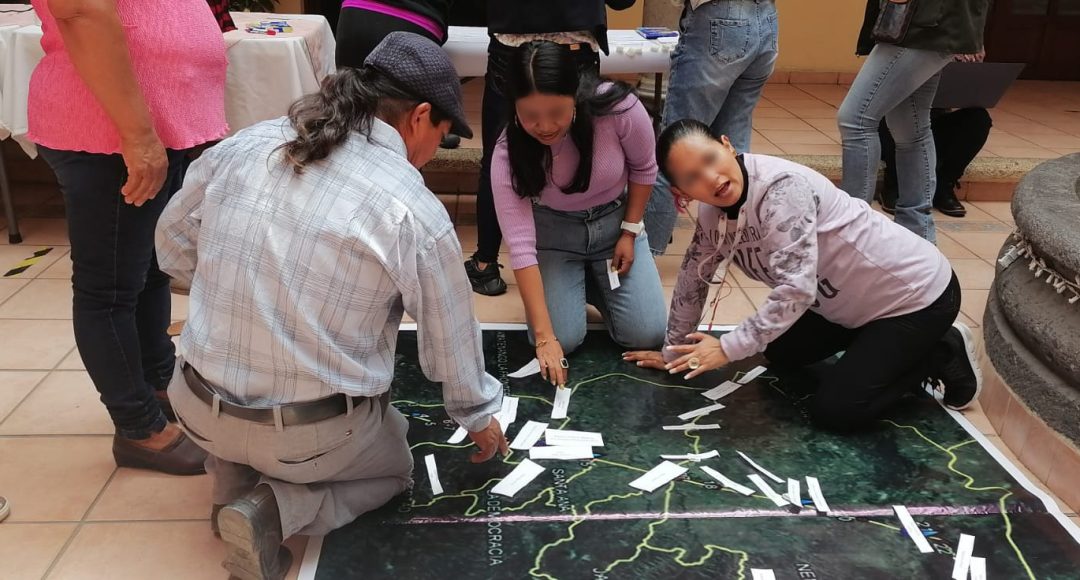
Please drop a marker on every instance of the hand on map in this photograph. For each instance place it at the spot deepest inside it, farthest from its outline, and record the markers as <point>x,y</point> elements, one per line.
<point>706,349</point>
<point>650,359</point>
<point>551,359</point>
<point>490,440</point>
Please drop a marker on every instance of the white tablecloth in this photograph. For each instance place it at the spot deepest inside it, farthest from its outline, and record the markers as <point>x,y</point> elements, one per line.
<point>265,75</point>
<point>630,53</point>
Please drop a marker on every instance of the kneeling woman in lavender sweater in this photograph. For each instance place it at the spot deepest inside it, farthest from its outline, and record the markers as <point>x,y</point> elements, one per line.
<point>571,176</point>
<point>842,277</point>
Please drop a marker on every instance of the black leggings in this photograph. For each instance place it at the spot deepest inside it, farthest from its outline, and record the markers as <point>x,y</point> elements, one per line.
<point>882,361</point>
<point>958,137</point>
<point>359,31</point>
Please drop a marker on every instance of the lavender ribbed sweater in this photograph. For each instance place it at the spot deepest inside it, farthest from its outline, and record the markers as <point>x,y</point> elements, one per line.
<point>624,150</point>
<point>178,54</point>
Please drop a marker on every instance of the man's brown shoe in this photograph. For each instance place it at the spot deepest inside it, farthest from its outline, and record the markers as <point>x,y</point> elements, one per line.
<point>251,527</point>
<point>180,457</point>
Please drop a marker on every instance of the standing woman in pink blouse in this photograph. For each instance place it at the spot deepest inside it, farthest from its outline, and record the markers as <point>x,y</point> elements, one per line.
<point>571,177</point>
<point>126,88</point>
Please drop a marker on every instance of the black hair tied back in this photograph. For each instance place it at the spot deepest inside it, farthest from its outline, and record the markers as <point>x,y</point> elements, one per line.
<point>674,133</point>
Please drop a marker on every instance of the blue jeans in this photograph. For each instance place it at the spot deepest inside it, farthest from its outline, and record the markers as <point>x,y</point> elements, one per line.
<point>726,52</point>
<point>122,304</point>
<point>896,84</point>
<point>572,250</point>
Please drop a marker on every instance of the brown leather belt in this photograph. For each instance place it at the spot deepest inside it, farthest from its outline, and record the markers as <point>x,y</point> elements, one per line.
<point>291,413</point>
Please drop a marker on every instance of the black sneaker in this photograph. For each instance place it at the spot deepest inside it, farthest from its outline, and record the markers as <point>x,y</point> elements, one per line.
<point>959,376</point>
<point>946,202</point>
<point>487,281</point>
<point>251,529</point>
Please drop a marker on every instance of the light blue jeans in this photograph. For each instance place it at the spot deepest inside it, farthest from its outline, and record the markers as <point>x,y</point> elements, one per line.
<point>897,84</point>
<point>572,250</point>
<point>726,52</point>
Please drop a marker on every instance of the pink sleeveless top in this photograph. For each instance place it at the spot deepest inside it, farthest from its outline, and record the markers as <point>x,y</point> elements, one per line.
<point>178,54</point>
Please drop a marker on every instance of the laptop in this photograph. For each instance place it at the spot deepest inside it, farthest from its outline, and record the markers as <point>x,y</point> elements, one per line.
<point>975,84</point>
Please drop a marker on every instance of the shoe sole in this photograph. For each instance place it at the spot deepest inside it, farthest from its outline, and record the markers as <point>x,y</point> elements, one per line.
<point>971,350</point>
<point>242,559</point>
<point>140,463</point>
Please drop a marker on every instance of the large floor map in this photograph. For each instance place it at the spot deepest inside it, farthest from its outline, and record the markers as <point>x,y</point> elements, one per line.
<point>581,519</point>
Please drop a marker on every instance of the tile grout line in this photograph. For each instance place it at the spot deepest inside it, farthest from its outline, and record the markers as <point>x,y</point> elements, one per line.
<point>79,526</point>
<point>48,373</point>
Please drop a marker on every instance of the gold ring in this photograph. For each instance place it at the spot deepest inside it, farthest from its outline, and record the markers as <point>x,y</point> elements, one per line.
<point>693,363</point>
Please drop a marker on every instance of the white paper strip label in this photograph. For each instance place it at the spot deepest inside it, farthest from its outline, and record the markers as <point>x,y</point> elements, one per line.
<point>657,476</point>
<point>508,414</point>
<point>691,427</point>
<point>912,529</point>
<point>613,277</point>
<point>433,475</point>
<point>692,456</point>
<point>794,494</point>
<point>524,473</point>
<point>562,403</point>
<point>721,391</point>
<point>458,436</point>
<point>528,435</point>
<point>755,465</point>
<point>813,486</point>
<point>978,568</point>
<point>530,368</point>
<point>753,374</point>
<point>700,412</point>
<point>963,557</point>
<point>767,490</point>
<point>560,437</point>
<point>561,452</point>
<point>728,483</point>
<point>757,574</point>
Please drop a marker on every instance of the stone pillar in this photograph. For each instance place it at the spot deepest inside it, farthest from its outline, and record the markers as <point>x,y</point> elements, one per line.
<point>658,13</point>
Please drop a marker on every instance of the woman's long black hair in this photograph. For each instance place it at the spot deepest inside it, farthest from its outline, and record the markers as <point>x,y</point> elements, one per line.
<point>551,69</point>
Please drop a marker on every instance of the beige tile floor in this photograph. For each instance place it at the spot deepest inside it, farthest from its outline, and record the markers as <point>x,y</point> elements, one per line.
<point>75,515</point>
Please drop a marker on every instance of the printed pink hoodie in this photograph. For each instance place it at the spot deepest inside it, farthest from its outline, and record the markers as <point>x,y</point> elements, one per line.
<point>816,247</point>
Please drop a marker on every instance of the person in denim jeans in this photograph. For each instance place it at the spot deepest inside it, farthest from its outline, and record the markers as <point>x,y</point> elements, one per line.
<point>571,176</point>
<point>726,52</point>
<point>898,83</point>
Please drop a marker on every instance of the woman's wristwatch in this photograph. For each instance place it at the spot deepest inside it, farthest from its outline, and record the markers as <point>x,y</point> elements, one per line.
<point>633,229</point>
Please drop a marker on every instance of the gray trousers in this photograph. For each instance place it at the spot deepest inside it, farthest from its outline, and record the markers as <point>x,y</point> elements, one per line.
<point>323,474</point>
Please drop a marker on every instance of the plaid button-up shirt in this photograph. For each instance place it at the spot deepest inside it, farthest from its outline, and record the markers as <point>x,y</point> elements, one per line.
<point>298,282</point>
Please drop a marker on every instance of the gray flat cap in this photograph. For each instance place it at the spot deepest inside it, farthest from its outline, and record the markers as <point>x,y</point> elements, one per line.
<point>422,68</point>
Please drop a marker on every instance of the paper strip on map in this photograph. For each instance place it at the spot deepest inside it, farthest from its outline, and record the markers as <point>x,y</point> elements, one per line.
<point>691,427</point>
<point>458,436</point>
<point>530,368</point>
<point>524,473</point>
<point>528,435</point>
<point>728,483</point>
<point>763,471</point>
<point>613,277</point>
<point>562,403</point>
<point>767,490</point>
<point>912,529</point>
<point>794,495</point>
<point>963,557</point>
<point>560,437</point>
<point>433,475</point>
<point>562,452</point>
<point>508,414</point>
<point>657,476</point>
<point>721,391</point>
<point>692,456</point>
<point>978,568</point>
<point>813,486</point>
<point>757,574</point>
<point>753,374</point>
<point>700,412</point>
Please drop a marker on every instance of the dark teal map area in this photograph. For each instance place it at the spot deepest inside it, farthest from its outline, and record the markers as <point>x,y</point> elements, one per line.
<point>581,519</point>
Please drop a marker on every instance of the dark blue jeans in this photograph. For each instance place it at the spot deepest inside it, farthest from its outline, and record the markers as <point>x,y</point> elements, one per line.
<point>121,307</point>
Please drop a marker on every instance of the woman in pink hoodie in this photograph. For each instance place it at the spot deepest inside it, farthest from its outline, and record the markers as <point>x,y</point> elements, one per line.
<point>843,277</point>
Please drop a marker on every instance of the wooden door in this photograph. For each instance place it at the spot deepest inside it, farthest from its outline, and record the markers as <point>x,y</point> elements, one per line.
<point>1045,34</point>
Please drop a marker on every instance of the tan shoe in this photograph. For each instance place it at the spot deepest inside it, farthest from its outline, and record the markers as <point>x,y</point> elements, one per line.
<point>180,457</point>
<point>251,528</point>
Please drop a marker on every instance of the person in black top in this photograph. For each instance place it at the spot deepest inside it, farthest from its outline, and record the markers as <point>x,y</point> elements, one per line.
<point>579,24</point>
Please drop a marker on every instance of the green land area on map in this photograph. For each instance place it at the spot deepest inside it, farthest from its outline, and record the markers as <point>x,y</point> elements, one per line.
<point>581,519</point>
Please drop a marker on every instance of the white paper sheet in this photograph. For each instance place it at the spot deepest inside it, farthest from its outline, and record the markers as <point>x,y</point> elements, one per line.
<point>562,403</point>
<point>561,437</point>
<point>692,456</point>
<point>978,568</point>
<point>758,574</point>
<point>568,452</point>
<point>508,414</point>
<point>767,490</point>
<point>658,476</point>
<point>794,493</point>
<point>433,474</point>
<point>458,436</point>
<point>813,486</point>
<point>727,482</point>
<point>521,476</point>
<point>962,562</point>
<point>753,374</point>
<point>613,277</point>
<point>912,529</point>
<point>722,390</point>
<point>691,427</point>
<point>528,435</point>
<point>758,467</point>
<point>531,368</point>
<point>700,412</point>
